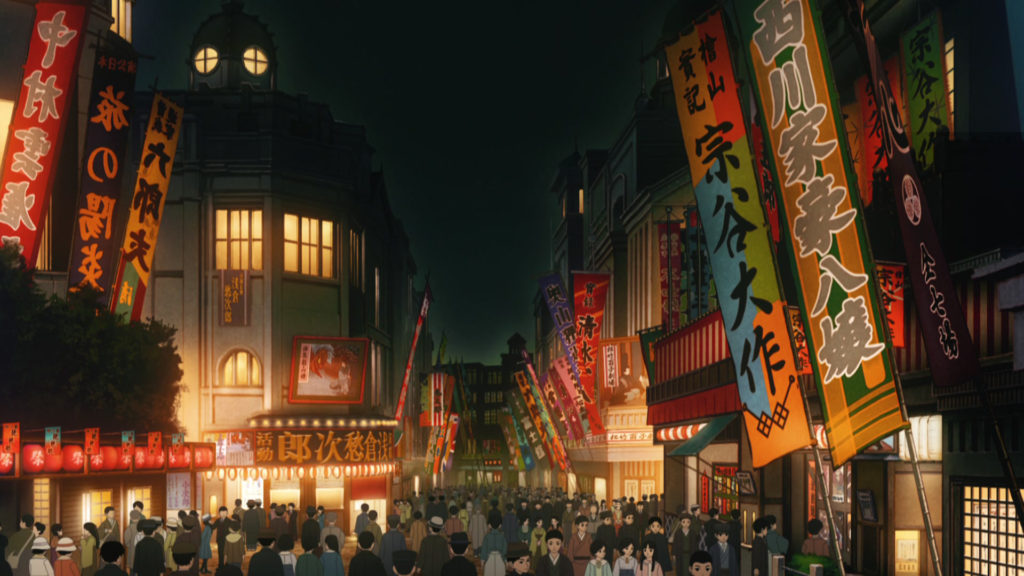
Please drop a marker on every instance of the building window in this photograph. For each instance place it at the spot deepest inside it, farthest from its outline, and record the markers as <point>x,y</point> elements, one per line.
<point>992,538</point>
<point>355,259</point>
<point>950,50</point>
<point>239,239</point>
<point>141,494</point>
<point>94,503</point>
<point>927,431</point>
<point>41,500</point>
<point>308,246</point>
<point>205,60</point>
<point>581,200</point>
<point>255,61</point>
<point>240,369</point>
<point>121,10</point>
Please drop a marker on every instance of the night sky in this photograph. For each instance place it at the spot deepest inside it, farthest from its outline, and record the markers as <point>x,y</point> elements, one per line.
<point>470,106</point>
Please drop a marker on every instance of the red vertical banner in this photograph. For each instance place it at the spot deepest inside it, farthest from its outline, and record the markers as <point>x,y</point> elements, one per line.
<point>590,291</point>
<point>437,399</point>
<point>801,354</point>
<point>424,308</point>
<point>38,124</point>
<point>155,443</point>
<point>12,438</point>
<point>92,441</point>
<point>891,279</point>
<point>670,273</point>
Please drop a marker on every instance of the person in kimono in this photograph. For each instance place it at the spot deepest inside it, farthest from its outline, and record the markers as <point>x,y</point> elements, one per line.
<point>433,551</point>
<point>365,562</point>
<point>392,542</point>
<point>577,549</point>
<point>598,565</point>
<point>554,563</point>
<point>330,560</point>
<point>266,562</point>
<point>417,531</point>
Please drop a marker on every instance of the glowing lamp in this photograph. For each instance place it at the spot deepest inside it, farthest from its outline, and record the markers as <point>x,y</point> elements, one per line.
<point>53,462</point>
<point>336,471</point>
<point>155,460</point>
<point>110,457</point>
<point>220,473</point>
<point>208,474</point>
<point>33,457</point>
<point>264,473</point>
<point>124,460</point>
<point>140,457</point>
<point>6,463</point>
<point>301,472</point>
<point>73,458</point>
<point>96,462</point>
<point>232,473</point>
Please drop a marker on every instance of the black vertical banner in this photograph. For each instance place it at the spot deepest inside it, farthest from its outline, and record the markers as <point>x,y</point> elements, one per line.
<point>951,352</point>
<point>95,244</point>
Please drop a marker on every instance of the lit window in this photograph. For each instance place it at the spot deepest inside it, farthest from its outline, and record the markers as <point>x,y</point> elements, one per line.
<point>376,296</point>
<point>581,200</point>
<point>94,503</point>
<point>308,246</point>
<point>141,494</point>
<point>255,61</point>
<point>121,11</point>
<point>41,500</point>
<point>927,431</point>
<point>992,538</point>
<point>239,239</point>
<point>950,49</point>
<point>206,60</point>
<point>240,368</point>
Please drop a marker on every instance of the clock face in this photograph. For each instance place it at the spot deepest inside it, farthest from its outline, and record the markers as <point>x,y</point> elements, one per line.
<point>206,60</point>
<point>255,60</point>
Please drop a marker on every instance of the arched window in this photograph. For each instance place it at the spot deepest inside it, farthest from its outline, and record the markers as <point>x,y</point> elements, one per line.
<point>255,61</point>
<point>206,60</point>
<point>240,368</point>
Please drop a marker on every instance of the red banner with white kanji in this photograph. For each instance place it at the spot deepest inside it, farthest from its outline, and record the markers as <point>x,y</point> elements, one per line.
<point>891,280</point>
<point>12,438</point>
<point>590,291</point>
<point>670,273</point>
<point>38,123</point>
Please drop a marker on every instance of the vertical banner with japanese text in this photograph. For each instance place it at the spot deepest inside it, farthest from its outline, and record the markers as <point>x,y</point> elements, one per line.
<point>647,339</point>
<point>565,326</point>
<point>92,441</point>
<point>891,278</point>
<point>154,443</point>
<point>740,247</point>
<point>558,381</point>
<point>524,446</point>
<point>670,273</point>
<point>787,54</point>
<point>800,352</point>
<point>437,399</point>
<point>36,132</point>
<point>541,419</point>
<point>511,442</point>
<point>147,209</point>
<point>234,298</point>
<point>700,292</point>
<point>574,400</point>
<point>53,441</point>
<point>924,59</point>
<point>524,424</point>
<point>12,438</point>
<point>94,242</point>
<point>951,353</point>
<point>590,290</point>
<point>424,308</point>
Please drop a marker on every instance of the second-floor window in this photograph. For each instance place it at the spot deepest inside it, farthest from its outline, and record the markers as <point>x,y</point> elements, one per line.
<point>308,246</point>
<point>239,239</point>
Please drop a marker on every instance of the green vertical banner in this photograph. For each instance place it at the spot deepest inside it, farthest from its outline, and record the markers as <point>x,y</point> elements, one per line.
<point>647,339</point>
<point>524,423</point>
<point>786,49</point>
<point>925,68</point>
<point>524,445</point>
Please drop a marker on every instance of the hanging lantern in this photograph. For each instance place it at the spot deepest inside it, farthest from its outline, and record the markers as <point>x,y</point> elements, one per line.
<point>33,457</point>
<point>140,457</point>
<point>220,473</point>
<point>232,473</point>
<point>95,462</point>
<point>208,475</point>
<point>110,457</point>
<point>301,472</point>
<point>124,460</point>
<point>6,463</point>
<point>276,473</point>
<point>336,471</point>
<point>314,472</point>
<point>155,460</point>
<point>73,458</point>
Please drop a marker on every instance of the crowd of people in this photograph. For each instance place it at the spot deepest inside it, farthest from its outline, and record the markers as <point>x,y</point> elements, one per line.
<point>444,533</point>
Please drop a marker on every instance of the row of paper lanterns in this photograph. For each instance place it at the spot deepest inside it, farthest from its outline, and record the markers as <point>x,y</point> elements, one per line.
<point>300,472</point>
<point>72,457</point>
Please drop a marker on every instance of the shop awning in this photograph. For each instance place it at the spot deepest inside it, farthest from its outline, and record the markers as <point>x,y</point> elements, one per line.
<point>703,437</point>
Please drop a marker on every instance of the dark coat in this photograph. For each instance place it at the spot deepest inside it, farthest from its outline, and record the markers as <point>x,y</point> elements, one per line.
<point>759,556</point>
<point>546,568</point>
<point>149,557</point>
<point>310,533</point>
<point>433,555</point>
<point>279,525</point>
<point>221,528</point>
<point>251,527</point>
<point>629,531</point>
<point>293,524</point>
<point>366,563</point>
<point>661,554</point>
<point>266,562</point>
<point>509,525</point>
<point>684,545</point>
<point>111,570</point>
<point>458,566</point>
<point>716,559</point>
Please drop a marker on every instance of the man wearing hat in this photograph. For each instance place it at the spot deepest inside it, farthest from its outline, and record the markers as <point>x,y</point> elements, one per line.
<point>554,563</point>
<point>251,525</point>
<point>458,565</point>
<point>266,562</point>
<point>365,562</point>
<point>391,542</point>
<point>331,528</point>
<point>685,541</point>
<point>169,540</point>
<point>130,534</point>
<point>184,554</point>
<point>519,557</point>
<point>148,556</point>
<point>190,533</point>
<point>433,550</point>
<point>404,562</point>
<point>64,565</point>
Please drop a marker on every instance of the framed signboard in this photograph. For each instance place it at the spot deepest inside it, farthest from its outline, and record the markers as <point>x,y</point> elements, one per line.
<point>866,502</point>
<point>328,370</point>
<point>745,483</point>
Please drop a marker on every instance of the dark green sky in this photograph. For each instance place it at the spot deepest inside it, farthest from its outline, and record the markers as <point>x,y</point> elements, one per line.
<point>470,106</point>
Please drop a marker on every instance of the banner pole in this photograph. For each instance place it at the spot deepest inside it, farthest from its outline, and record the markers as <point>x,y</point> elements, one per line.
<point>834,536</point>
<point>1004,458</point>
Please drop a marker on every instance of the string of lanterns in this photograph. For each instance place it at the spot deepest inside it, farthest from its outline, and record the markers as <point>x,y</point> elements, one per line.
<point>300,472</point>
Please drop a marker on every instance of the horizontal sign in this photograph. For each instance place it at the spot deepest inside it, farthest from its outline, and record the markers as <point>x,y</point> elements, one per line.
<point>321,447</point>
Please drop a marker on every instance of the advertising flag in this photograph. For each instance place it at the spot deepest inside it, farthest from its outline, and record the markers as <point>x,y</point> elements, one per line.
<point>739,241</point>
<point>574,401</point>
<point>36,132</point>
<point>154,443</point>
<point>53,441</point>
<point>557,383</point>
<point>801,353</point>
<point>94,241</point>
<point>92,441</point>
<point>539,415</point>
<point>891,278</point>
<point>924,59</point>
<point>788,58</point>
<point>437,403</point>
<point>951,353</point>
<point>590,291</point>
<point>424,308</point>
<point>128,444</point>
<point>534,434</point>
<point>647,338</point>
<point>670,273</point>
<point>147,209</point>
<point>524,445</point>
<point>565,326</point>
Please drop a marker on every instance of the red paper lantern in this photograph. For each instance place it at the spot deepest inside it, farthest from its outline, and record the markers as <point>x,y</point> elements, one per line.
<point>96,462</point>
<point>74,458</point>
<point>124,460</point>
<point>140,457</point>
<point>181,460</point>
<point>204,457</point>
<point>6,463</point>
<point>155,460</point>
<point>110,457</point>
<point>54,462</point>
<point>33,457</point>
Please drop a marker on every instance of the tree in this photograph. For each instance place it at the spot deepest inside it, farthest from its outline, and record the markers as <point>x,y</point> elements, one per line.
<point>74,364</point>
